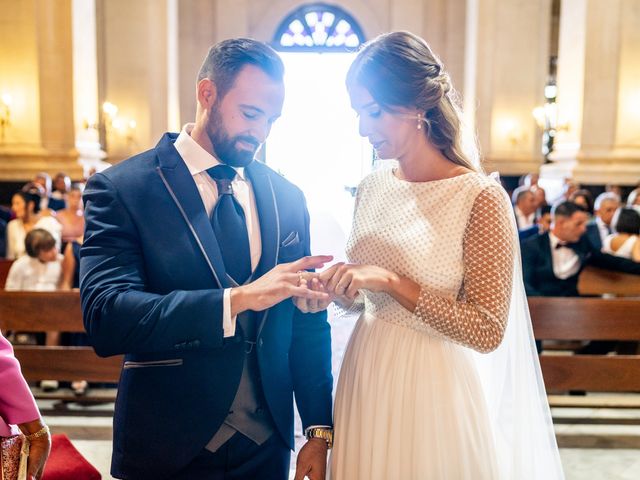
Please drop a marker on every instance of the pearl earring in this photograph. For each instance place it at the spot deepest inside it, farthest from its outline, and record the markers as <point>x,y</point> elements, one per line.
<point>420,119</point>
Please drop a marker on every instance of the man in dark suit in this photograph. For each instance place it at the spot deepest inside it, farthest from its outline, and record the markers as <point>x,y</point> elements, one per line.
<point>552,262</point>
<point>600,227</point>
<point>47,201</point>
<point>524,207</point>
<point>191,256</point>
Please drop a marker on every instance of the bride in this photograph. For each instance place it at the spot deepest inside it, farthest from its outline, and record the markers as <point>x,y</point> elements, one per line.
<point>440,379</point>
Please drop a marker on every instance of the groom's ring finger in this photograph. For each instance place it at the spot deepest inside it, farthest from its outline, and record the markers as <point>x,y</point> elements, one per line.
<point>313,303</point>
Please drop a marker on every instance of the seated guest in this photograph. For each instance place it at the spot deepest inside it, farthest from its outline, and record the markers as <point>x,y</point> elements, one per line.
<point>43,180</point>
<point>625,242</point>
<point>524,206</point>
<point>568,187</point>
<point>600,227</point>
<point>552,261</point>
<point>26,208</point>
<point>529,180</point>
<point>613,188</point>
<point>584,199</point>
<point>39,270</point>
<point>72,217</point>
<point>540,196</point>
<point>542,225</point>
<point>71,280</point>
<point>61,186</point>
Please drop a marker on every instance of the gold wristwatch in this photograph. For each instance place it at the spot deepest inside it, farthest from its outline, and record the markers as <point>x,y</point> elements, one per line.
<point>325,433</point>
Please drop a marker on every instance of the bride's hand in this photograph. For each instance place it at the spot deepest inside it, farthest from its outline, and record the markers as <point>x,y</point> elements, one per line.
<point>346,279</point>
<point>311,281</point>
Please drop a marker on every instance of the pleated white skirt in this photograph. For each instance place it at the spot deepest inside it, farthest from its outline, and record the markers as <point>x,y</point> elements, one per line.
<point>409,406</point>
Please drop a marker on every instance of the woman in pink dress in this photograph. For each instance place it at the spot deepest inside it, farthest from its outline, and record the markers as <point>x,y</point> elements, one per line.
<point>18,411</point>
<point>72,217</point>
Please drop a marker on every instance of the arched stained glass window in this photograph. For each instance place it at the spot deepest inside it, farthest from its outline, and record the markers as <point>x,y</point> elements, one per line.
<point>318,27</point>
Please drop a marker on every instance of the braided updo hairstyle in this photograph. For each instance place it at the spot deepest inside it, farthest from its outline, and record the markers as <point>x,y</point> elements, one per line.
<point>400,70</point>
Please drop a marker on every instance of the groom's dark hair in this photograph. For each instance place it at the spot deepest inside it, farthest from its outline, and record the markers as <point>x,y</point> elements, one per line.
<point>566,209</point>
<point>225,60</point>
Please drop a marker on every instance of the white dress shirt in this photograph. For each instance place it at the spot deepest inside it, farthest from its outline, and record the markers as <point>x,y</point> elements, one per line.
<point>28,273</point>
<point>603,229</point>
<point>198,160</point>
<point>566,262</point>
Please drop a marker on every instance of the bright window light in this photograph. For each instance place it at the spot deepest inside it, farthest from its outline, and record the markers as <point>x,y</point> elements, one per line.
<point>316,144</point>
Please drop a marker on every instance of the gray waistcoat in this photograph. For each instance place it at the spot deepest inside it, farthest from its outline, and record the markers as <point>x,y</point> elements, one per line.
<point>249,413</point>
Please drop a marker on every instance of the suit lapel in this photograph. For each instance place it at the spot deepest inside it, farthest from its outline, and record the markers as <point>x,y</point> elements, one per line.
<point>180,185</point>
<point>269,222</point>
<point>545,246</point>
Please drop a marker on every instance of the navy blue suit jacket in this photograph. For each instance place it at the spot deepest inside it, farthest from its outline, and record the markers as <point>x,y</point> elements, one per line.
<point>56,204</point>
<point>528,232</point>
<point>593,235</point>
<point>152,281</point>
<point>537,266</point>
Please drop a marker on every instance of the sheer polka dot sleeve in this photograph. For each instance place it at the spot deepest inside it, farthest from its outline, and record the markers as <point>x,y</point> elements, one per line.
<point>478,317</point>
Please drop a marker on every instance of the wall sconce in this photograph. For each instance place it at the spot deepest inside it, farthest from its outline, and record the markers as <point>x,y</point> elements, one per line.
<point>509,129</point>
<point>5,114</point>
<point>116,125</point>
<point>547,119</point>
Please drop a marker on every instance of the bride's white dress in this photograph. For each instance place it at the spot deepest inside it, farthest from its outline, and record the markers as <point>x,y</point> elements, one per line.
<point>409,401</point>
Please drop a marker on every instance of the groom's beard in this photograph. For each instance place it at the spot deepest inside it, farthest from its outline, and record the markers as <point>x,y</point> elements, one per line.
<point>224,146</point>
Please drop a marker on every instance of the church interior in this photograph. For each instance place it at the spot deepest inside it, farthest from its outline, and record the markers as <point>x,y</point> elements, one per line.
<point>550,91</point>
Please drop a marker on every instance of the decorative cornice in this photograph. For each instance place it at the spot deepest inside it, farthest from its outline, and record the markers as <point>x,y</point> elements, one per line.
<point>21,164</point>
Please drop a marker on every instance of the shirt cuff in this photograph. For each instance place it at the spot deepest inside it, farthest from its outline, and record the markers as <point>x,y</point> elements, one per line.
<point>228,322</point>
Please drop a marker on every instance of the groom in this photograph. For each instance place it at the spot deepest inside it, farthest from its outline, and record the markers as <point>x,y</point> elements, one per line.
<point>191,256</point>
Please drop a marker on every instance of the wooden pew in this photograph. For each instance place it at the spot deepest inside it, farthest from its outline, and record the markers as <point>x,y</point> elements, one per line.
<point>588,319</point>
<point>5,265</point>
<point>597,281</point>
<point>56,311</point>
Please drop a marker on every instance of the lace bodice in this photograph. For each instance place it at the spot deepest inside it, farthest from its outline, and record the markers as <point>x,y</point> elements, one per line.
<point>455,238</point>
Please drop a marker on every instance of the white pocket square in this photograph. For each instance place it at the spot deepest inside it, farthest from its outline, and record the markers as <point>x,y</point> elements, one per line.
<point>292,239</point>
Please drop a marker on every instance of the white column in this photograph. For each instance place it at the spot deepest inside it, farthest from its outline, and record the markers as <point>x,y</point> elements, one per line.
<point>85,85</point>
<point>505,78</point>
<point>133,73</point>
<point>36,66</point>
<point>598,93</point>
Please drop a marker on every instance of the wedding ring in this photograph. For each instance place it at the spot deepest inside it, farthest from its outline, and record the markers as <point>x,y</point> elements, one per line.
<point>300,277</point>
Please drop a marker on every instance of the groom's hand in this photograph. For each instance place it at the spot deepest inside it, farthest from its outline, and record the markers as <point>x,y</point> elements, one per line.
<point>278,284</point>
<point>312,460</point>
